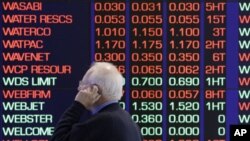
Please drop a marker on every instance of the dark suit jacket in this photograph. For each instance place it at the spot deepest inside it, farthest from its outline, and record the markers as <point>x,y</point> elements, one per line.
<point>112,123</point>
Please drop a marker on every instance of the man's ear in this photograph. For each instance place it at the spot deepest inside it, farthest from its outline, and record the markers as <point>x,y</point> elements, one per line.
<point>96,87</point>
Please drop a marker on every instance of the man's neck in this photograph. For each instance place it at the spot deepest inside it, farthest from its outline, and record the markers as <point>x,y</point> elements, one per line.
<point>97,108</point>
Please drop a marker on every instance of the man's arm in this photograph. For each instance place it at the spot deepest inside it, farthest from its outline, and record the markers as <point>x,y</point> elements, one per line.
<point>70,117</point>
<point>84,100</point>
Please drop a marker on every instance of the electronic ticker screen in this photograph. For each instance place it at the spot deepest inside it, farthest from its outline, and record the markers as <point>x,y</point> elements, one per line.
<point>185,64</point>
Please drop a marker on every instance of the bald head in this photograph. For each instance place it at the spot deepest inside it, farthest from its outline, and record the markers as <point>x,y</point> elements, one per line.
<point>108,79</point>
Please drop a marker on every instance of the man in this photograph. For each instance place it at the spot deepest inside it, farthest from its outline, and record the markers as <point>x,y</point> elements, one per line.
<point>99,92</point>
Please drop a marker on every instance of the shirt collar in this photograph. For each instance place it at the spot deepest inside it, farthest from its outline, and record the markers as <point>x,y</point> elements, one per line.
<point>96,109</point>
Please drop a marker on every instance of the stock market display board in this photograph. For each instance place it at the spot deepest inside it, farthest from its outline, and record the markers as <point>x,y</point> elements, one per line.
<point>185,64</point>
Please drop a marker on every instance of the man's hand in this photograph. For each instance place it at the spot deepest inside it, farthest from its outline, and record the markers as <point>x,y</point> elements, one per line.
<point>88,96</point>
